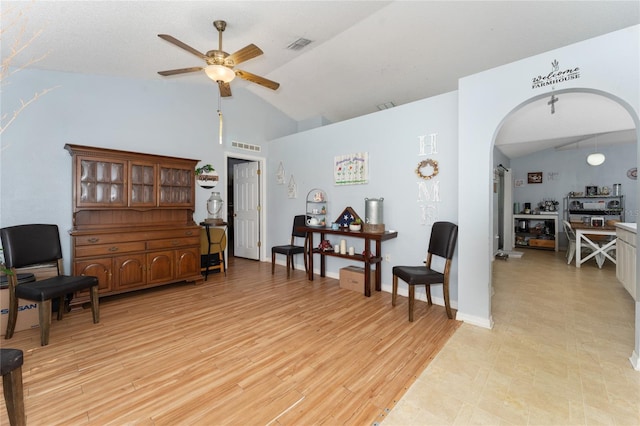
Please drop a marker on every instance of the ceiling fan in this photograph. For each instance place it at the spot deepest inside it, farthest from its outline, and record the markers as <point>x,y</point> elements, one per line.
<point>220,64</point>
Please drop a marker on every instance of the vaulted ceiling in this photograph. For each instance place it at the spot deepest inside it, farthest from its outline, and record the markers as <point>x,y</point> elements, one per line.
<point>362,53</point>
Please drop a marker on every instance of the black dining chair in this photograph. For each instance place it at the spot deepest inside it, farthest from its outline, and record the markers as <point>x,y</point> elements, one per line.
<point>291,249</point>
<point>29,245</point>
<point>442,244</point>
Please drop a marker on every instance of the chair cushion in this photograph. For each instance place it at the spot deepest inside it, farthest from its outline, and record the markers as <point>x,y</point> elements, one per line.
<point>10,359</point>
<point>413,275</point>
<point>54,287</point>
<point>288,249</point>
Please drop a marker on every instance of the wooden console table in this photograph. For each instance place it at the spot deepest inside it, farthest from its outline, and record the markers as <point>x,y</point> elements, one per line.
<point>374,259</point>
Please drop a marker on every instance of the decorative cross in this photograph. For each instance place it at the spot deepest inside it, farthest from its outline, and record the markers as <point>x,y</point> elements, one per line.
<point>552,103</point>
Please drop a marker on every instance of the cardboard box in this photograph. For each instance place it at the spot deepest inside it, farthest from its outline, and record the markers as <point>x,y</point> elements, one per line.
<point>27,309</point>
<point>352,278</point>
<point>27,313</point>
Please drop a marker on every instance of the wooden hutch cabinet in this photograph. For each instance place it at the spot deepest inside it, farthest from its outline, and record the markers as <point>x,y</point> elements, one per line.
<point>133,222</point>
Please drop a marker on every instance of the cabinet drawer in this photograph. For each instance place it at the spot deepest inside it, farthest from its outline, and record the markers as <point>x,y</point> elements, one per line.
<point>542,243</point>
<point>117,238</point>
<point>102,249</point>
<point>172,243</point>
<point>173,233</point>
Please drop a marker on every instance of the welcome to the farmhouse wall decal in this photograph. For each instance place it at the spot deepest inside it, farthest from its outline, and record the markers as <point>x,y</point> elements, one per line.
<point>555,76</point>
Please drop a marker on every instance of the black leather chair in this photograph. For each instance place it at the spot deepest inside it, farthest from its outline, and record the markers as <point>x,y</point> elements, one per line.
<point>11,368</point>
<point>291,249</point>
<point>442,243</point>
<point>27,245</point>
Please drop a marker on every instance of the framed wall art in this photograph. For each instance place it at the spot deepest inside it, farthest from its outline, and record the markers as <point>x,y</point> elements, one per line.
<point>351,169</point>
<point>534,177</point>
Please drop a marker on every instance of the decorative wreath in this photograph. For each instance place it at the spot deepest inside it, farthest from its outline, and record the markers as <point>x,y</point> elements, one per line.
<point>425,163</point>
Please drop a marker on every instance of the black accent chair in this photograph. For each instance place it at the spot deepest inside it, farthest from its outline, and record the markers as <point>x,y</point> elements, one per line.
<point>11,368</point>
<point>291,249</point>
<point>28,245</point>
<point>442,243</point>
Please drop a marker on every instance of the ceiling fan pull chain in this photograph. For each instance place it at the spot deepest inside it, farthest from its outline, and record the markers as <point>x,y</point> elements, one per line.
<point>219,119</point>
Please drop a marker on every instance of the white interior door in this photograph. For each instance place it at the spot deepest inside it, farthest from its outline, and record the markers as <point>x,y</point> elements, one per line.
<point>246,210</point>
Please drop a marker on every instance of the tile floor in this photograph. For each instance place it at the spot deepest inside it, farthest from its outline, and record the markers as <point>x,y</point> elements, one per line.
<point>558,353</point>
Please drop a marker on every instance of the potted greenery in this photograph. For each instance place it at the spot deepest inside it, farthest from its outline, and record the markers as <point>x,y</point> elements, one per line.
<point>356,225</point>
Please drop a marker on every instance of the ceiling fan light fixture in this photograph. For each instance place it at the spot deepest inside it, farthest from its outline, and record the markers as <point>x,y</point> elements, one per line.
<point>220,73</point>
<point>595,159</point>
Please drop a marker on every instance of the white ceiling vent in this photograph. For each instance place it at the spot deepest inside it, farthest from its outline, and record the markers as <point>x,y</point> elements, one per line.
<point>386,105</point>
<point>245,146</point>
<point>298,44</point>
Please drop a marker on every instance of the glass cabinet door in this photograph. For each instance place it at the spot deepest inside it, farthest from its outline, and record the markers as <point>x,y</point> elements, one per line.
<point>176,186</point>
<point>143,184</point>
<point>101,183</point>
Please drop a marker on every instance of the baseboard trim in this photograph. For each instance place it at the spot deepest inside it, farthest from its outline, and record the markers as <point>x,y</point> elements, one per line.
<point>635,360</point>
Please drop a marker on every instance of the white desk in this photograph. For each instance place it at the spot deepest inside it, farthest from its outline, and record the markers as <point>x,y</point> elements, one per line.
<point>582,233</point>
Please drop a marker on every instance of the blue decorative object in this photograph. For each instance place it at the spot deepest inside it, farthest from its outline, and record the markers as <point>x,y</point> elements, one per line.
<point>347,216</point>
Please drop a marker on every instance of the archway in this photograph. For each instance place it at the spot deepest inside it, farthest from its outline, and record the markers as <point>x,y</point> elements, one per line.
<point>630,118</point>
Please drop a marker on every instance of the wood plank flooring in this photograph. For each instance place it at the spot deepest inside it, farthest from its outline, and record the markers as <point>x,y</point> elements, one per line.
<point>250,348</point>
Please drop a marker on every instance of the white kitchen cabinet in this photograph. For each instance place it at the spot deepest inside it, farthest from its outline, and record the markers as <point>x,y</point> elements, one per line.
<point>626,257</point>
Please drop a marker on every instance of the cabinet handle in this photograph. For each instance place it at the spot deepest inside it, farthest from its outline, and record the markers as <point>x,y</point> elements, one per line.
<point>93,240</point>
<point>189,233</point>
<point>174,243</point>
<point>113,248</point>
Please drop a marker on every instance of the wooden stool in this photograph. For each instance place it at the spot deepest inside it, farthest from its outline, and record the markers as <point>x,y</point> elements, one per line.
<point>11,368</point>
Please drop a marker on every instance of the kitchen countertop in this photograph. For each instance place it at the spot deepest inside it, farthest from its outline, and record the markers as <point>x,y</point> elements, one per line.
<point>629,226</point>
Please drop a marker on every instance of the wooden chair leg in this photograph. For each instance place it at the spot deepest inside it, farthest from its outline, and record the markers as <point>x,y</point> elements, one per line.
<point>13,397</point>
<point>61,300</point>
<point>288,265</point>
<point>273,262</point>
<point>412,300</point>
<point>394,293</point>
<point>44,312</point>
<point>95,304</point>
<point>428,291</point>
<point>13,315</point>
<point>445,292</point>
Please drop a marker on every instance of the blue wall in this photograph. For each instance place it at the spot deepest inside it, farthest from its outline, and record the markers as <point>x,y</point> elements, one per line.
<point>391,138</point>
<point>160,117</point>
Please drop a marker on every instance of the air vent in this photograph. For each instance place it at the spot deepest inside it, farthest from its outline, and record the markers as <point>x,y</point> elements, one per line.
<point>386,105</point>
<point>245,146</point>
<point>298,44</point>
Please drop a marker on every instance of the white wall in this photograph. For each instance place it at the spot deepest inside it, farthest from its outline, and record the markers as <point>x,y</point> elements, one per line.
<point>159,117</point>
<point>391,138</point>
<point>608,64</point>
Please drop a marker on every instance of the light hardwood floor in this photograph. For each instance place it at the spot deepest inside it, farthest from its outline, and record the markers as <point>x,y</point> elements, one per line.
<point>557,355</point>
<point>246,349</point>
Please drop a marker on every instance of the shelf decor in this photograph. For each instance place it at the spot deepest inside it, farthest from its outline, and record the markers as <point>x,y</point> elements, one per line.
<point>351,169</point>
<point>347,216</point>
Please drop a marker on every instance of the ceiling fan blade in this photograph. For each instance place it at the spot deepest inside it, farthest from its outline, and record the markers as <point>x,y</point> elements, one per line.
<point>182,45</point>
<point>257,79</point>
<point>180,71</point>
<point>225,89</point>
<point>244,54</point>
